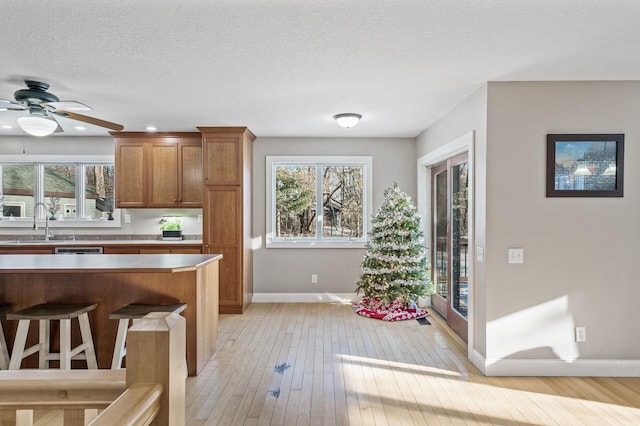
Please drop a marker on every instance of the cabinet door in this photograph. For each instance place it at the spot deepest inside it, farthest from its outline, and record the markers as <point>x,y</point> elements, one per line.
<point>120,250</point>
<point>32,250</point>
<point>130,174</point>
<point>163,174</point>
<point>222,160</point>
<point>222,227</point>
<point>222,216</point>
<point>154,250</point>
<point>190,183</point>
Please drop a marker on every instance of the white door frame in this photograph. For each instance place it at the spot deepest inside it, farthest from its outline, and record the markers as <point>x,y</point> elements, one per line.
<point>464,143</point>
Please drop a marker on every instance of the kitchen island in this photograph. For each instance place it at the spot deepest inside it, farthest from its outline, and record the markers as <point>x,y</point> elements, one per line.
<point>112,281</point>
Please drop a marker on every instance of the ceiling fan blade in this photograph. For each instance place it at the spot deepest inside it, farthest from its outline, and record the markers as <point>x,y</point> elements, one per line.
<point>67,106</point>
<point>11,105</point>
<point>59,128</point>
<point>90,120</point>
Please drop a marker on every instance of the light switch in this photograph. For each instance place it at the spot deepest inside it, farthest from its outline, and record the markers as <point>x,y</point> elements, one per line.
<point>480,254</point>
<point>516,255</point>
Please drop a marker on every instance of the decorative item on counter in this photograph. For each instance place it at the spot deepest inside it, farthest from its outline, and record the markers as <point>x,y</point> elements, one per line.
<point>53,205</point>
<point>110,205</point>
<point>171,228</point>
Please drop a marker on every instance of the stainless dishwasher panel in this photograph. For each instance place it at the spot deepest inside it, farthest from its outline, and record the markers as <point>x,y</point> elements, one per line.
<point>78,250</point>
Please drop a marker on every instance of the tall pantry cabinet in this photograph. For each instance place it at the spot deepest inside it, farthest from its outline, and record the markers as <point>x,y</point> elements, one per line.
<point>226,210</point>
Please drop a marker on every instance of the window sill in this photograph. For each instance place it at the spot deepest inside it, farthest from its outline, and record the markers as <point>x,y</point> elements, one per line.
<point>317,244</point>
<point>27,222</point>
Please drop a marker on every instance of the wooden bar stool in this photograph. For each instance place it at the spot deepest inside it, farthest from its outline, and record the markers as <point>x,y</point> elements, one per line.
<point>44,314</point>
<point>134,311</point>
<point>4,349</point>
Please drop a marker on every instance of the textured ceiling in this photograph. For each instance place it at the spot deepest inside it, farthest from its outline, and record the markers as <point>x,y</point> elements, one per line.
<point>285,67</point>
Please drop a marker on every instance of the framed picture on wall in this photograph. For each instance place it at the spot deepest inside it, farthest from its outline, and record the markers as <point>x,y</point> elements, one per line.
<point>585,165</point>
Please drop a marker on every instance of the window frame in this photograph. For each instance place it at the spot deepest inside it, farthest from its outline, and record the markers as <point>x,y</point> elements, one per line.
<point>41,161</point>
<point>319,241</point>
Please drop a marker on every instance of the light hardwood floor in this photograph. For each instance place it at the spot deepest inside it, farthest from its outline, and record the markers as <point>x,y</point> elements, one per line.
<point>321,364</point>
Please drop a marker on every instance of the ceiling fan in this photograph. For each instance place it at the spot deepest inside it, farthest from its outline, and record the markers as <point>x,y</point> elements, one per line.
<point>43,106</point>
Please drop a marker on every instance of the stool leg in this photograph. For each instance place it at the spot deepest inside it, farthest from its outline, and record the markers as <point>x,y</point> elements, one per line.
<point>87,339</point>
<point>4,351</point>
<point>119,350</point>
<point>18,344</point>
<point>65,344</point>
<point>44,345</point>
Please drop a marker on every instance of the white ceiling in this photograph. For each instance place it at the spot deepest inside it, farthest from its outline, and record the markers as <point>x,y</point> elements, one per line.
<point>285,67</point>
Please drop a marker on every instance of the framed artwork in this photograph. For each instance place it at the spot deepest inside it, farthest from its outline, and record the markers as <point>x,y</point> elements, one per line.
<point>585,165</point>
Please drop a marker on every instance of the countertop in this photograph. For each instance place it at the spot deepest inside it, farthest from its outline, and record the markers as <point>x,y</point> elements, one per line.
<point>101,263</point>
<point>83,243</point>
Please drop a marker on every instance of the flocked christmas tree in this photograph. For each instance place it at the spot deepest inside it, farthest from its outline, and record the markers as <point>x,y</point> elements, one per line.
<point>394,266</point>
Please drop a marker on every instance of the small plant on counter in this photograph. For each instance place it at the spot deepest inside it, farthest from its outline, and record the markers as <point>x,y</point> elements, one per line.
<point>53,205</point>
<point>171,228</point>
<point>171,224</point>
<point>109,202</point>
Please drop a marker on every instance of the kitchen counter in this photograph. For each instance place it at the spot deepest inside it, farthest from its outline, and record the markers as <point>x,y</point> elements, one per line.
<point>167,263</point>
<point>112,281</point>
<point>97,242</point>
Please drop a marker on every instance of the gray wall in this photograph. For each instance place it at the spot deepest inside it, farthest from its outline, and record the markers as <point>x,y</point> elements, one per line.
<point>280,270</point>
<point>579,253</point>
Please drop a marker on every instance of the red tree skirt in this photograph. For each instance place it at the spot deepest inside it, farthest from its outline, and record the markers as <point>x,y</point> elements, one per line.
<point>374,308</point>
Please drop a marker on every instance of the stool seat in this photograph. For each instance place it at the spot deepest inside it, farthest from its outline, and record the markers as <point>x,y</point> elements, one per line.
<point>44,313</point>
<point>51,311</point>
<point>133,312</point>
<point>4,349</point>
<point>137,310</point>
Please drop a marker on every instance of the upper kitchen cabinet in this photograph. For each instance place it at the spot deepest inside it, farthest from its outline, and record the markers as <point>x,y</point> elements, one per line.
<point>131,173</point>
<point>158,169</point>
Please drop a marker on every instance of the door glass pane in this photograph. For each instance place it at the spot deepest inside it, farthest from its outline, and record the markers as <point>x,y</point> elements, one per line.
<point>17,190</point>
<point>460,239</point>
<point>440,234</point>
<point>99,182</point>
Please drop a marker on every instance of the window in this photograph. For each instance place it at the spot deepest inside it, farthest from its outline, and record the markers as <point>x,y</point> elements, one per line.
<point>296,186</point>
<point>74,194</point>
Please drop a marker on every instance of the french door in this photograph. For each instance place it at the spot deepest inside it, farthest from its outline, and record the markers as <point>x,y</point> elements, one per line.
<point>450,260</point>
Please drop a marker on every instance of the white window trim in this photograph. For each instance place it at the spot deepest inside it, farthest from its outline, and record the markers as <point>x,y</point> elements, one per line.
<point>66,223</point>
<point>367,161</point>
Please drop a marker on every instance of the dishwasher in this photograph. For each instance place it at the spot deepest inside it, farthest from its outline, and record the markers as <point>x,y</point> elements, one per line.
<point>78,250</point>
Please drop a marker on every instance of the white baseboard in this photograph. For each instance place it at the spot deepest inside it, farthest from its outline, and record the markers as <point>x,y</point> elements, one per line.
<point>557,367</point>
<point>304,297</point>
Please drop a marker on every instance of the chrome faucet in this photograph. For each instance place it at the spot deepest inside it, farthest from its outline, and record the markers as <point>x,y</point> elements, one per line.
<point>47,234</point>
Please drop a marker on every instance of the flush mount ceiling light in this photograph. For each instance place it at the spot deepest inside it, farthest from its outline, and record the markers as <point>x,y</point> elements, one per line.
<point>37,126</point>
<point>347,119</point>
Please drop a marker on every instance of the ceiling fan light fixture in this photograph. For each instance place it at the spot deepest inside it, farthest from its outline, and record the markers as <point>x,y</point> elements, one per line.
<point>37,126</point>
<point>347,119</point>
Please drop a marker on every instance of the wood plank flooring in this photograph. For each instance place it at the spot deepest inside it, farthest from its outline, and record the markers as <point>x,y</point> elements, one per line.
<point>321,364</point>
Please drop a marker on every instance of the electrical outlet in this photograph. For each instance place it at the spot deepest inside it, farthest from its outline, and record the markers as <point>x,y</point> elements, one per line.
<point>314,278</point>
<point>581,334</point>
<point>516,255</point>
<point>199,218</point>
<point>127,218</point>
